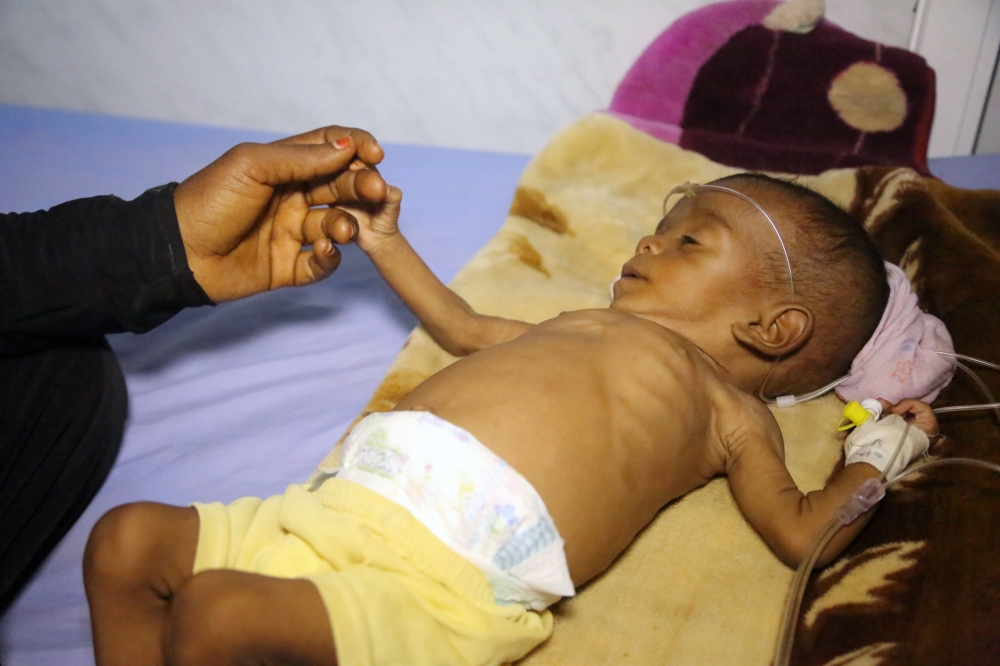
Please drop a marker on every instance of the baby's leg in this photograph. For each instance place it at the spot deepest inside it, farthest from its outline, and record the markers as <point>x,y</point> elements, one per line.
<point>147,609</point>
<point>230,618</point>
<point>137,558</point>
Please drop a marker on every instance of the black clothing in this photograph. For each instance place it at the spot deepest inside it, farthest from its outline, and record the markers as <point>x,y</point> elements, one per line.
<point>63,413</point>
<point>90,267</point>
<point>68,276</point>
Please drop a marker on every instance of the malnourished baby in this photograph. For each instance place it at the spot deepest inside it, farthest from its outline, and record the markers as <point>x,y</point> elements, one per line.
<point>520,472</point>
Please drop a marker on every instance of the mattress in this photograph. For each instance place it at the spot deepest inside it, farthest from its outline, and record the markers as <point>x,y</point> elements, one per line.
<point>244,398</point>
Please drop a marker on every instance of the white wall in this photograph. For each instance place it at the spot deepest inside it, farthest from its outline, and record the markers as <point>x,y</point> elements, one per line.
<point>499,75</point>
<point>491,75</point>
<point>885,21</point>
<point>960,40</point>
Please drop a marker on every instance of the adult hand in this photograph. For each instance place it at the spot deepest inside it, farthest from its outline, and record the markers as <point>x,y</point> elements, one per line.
<point>245,218</point>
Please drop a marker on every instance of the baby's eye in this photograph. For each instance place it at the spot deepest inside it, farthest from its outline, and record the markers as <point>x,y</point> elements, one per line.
<point>688,240</point>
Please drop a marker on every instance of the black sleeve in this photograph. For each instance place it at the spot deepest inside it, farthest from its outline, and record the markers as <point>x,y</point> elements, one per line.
<point>90,267</point>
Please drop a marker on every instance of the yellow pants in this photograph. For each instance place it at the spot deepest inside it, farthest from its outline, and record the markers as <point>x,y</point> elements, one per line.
<point>394,593</point>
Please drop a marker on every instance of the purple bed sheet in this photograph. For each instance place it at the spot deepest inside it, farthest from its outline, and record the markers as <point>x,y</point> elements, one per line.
<point>247,397</point>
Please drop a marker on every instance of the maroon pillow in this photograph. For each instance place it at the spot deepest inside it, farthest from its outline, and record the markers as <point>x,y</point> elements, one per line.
<point>780,101</point>
<point>720,83</point>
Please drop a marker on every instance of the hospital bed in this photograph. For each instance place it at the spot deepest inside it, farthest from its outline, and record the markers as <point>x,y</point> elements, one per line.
<point>246,397</point>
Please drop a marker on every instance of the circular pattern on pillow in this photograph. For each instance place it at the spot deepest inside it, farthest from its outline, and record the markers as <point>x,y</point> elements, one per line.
<point>868,97</point>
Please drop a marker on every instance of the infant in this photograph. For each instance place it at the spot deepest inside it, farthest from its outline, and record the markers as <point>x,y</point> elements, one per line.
<point>520,472</point>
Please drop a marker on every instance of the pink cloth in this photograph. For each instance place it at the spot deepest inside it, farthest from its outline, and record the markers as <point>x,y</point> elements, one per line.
<point>900,360</point>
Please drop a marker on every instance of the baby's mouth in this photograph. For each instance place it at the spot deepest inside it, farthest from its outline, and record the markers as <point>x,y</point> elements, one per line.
<point>629,272</point>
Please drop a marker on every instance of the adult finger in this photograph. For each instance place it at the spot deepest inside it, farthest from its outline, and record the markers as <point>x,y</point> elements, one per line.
<point>347,187</point>
<point>369,149</point>
<point>276,164</point>
<point>332,223</point>
<point>317,264</point>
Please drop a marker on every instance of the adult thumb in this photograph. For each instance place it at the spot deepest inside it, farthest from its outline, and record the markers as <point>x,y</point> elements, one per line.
<point>276,163</point>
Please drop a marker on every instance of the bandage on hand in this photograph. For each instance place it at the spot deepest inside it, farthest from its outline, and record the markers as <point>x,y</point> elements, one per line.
<point>874,442</point>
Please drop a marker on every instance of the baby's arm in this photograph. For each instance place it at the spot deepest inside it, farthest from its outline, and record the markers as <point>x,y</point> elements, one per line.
<point>445,315</point>
<point>788,520</point>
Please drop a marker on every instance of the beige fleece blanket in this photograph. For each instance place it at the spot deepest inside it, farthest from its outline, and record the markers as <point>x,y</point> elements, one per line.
<point>698,586</point>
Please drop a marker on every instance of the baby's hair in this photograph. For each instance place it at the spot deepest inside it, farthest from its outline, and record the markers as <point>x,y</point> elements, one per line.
<point>838,272</point>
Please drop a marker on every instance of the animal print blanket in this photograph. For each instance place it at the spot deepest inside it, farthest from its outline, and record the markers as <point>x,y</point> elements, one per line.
<point>699,586</point>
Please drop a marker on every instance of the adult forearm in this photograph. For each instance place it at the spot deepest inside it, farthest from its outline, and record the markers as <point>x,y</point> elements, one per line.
<point>90,267</point>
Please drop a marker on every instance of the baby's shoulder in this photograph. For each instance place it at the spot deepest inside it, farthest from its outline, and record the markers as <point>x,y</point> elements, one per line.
<point>742,419</point>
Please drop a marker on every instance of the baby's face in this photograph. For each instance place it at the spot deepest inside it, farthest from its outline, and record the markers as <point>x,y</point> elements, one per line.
<point>695,275</point>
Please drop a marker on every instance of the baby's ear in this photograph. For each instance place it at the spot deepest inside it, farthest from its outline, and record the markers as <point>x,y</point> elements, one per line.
<point>779,331</point>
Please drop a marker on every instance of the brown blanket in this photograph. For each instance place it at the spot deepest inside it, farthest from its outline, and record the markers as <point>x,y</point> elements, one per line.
<point>699,586</point>
<point>921,585</point>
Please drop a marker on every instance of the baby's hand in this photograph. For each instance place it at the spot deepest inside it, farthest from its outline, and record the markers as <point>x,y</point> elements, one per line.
<point>880,442</point>
<point>376,222</point>
<point>921,413</point>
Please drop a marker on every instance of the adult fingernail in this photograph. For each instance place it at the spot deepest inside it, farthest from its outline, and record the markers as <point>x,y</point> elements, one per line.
<point>330,249</point>
<point>342,142</point>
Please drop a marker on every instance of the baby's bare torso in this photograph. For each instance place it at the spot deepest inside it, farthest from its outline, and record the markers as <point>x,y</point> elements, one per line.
<point>608,415</point>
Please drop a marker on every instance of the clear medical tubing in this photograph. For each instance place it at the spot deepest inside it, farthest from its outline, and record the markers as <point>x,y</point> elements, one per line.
<point>866,496</point>
<point>979,382</point>
<point>970,359</point>
<point>783,648</point>
<point>868,493</point>
<point>966,408</point>
<point>792,400</point>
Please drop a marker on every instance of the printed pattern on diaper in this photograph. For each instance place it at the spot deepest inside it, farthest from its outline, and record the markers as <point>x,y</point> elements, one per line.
<point>479,513</point>
<point>526,544</point>
<point>375,457</point>
<point>504,517</point>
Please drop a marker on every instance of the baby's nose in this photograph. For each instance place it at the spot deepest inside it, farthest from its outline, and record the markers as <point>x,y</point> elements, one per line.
<point>649,245</point>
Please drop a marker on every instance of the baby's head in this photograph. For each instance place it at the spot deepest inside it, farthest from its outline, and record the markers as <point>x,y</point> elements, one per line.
<point>714,271</point>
